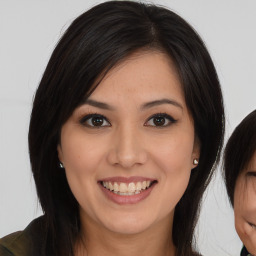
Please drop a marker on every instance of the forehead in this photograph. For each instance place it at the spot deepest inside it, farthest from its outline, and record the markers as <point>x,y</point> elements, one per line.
<point>145,73</point>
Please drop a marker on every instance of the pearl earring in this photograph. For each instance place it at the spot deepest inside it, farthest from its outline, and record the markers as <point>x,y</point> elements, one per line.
<point>195,161</point>
<point>61,165</point>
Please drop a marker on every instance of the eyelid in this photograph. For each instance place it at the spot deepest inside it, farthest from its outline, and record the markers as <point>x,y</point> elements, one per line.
<point>251,174</point>
<point>165,115</point>
<point>85,118</point>
<point>252,225</point>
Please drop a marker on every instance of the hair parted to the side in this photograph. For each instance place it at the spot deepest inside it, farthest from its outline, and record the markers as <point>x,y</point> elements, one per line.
<point>239,151</point>
<point>94,43</point>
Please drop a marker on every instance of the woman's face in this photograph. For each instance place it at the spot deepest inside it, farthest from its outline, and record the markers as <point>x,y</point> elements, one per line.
<point>128,150</point>
<point>245,206</point>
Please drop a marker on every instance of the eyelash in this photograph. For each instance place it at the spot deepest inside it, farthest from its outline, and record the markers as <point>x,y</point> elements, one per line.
<point>85,119</point>
<point>170,119</point>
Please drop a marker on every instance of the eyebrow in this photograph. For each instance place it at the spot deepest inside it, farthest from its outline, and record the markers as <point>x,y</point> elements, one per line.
<point>161,102</point>
<point>97,104</point>
<point>144,106</point>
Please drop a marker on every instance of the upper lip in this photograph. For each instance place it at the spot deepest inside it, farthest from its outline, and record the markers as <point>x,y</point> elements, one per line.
<point>126,179</point>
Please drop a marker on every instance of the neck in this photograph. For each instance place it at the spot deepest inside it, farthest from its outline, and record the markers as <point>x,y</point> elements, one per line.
<point>96,240</point>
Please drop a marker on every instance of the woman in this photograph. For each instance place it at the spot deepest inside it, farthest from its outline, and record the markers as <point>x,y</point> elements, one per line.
<point>240,178</point>
<point>126,129</point>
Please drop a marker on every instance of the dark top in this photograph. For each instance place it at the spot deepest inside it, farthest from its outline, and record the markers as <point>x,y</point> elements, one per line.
<point>20,243</point>
<point>29,241</point>
<point>244,252</point>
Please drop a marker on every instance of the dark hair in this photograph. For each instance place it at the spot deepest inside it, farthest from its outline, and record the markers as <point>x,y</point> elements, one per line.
<point>239,151</point>
<point>94,43</point>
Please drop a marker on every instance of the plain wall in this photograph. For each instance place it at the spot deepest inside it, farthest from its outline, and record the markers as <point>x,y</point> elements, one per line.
<point>29,31</point>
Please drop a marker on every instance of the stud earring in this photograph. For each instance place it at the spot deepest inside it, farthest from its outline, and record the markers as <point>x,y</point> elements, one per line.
<point>61,165</point>
<point>195,161</point>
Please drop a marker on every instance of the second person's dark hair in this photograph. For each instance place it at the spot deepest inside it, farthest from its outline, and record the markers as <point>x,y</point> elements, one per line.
<point>239,151</point>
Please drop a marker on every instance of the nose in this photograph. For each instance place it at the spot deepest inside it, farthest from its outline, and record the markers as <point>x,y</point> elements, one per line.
<point>127,148</point>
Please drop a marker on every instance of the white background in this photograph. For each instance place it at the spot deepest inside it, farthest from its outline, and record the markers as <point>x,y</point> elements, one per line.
<point>28,32</point>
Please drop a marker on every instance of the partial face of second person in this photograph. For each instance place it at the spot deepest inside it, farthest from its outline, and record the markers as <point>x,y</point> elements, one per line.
<point>128,150</point>
<point>245,206</point>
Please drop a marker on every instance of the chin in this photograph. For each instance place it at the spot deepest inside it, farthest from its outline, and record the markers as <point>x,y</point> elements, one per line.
<point>129,225</point>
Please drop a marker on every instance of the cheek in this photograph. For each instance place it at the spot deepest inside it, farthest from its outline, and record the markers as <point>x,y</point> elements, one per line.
<point>173,160</point>
<point>81,159</point>
<point>240,229</point>
<point>174,155</point>
<point>81,153</point>
<point>249,207</point>
<point>245,199</point>
<point>244,208</point>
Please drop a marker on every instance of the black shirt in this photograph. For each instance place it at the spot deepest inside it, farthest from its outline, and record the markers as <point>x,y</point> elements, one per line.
<point>244,252</point>
<point>23,243</point>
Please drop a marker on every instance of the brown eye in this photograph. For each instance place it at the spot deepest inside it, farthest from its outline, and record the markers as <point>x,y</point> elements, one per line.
<point>160,120</point>
<point>95,120</point>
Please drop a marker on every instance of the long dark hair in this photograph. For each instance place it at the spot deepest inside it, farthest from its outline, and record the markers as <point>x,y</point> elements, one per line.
<point>239,151</point>
<point>94,43</point>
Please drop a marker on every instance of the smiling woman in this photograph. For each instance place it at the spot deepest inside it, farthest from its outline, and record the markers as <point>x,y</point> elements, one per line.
<point>126,129</point>
<point>145,152</point>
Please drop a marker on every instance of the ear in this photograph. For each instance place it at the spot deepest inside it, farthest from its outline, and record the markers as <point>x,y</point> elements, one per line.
<point>195,157</point>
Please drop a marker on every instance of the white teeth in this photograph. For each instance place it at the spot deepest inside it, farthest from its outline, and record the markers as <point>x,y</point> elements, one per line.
<point>125,189</point>
<point>106,184</point>
<point>116,187</point>
<point>138,186</point>
<point>131,187</point>
<point>111,187</point>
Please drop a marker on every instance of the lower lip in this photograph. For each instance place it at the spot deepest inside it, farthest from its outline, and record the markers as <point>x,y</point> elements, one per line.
<point>133,199</point>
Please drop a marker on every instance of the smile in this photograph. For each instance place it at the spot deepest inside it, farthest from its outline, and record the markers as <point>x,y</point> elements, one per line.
<point>125,189</point>
<point>130,190</point>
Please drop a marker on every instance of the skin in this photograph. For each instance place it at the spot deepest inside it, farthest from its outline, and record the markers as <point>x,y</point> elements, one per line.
<point>245,206</point>
<point>130,144</point>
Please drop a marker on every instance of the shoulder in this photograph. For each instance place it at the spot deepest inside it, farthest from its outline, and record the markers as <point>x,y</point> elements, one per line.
<point>7,242</point>
<point>22,243</point>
